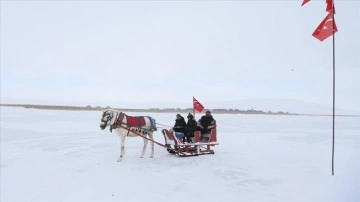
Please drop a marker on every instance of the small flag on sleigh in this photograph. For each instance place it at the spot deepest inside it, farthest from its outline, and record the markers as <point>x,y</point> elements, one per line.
<point>197,105</point>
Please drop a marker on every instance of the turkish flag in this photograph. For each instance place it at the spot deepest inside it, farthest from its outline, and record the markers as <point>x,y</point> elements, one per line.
<point>304,2</point>
<point>197,106</point>
<point>330,6</point>
<point>326,28</point>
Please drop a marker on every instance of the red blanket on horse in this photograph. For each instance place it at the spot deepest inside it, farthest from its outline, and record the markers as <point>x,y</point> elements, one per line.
<point>135,121</point>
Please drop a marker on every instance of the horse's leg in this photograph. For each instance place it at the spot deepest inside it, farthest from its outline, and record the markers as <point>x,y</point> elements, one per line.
<point>144,147</point>
<point>122,147</point>
<point>151,136</point>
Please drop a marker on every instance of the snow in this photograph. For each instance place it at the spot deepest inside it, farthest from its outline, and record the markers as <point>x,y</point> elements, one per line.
<point>49,155</point>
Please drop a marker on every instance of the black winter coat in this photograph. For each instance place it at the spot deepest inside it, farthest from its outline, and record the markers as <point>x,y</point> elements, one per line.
<point>205,122</point>
<point>191,126</point>
<point>180,125</point>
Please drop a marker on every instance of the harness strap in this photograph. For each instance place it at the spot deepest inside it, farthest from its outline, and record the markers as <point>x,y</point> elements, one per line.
<point>118,120</point>
<point>138,119</point>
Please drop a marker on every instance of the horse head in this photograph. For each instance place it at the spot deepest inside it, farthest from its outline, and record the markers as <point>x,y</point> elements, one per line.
<point>106,119</point>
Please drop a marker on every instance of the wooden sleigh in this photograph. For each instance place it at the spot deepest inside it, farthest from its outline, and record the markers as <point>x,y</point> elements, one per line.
<point>175,145</point>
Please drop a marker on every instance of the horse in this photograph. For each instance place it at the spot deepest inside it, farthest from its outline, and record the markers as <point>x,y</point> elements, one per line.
<point>129,126</point>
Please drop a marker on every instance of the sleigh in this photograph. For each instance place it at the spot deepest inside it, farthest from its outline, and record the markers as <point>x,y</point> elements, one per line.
<point>202,143</point>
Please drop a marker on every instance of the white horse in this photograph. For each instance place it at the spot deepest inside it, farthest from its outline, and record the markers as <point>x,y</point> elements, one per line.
<point>129,126</point>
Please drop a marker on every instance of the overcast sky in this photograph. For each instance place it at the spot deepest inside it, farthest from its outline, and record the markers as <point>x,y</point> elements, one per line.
<point>103,53</point>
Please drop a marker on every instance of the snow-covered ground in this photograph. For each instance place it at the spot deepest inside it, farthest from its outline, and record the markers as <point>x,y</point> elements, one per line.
<point>63,156</point>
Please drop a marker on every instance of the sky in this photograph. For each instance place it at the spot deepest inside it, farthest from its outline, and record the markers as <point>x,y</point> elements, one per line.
<point>64,156</point>
<point>111,52</point>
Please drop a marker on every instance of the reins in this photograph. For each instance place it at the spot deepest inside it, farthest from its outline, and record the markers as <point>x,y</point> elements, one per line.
<point>167,126</point>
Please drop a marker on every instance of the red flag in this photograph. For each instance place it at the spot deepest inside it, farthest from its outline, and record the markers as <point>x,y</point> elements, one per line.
<point>304,2</point>
<point>326,28</point>
<point>197,106</point>
<point>330,6</point>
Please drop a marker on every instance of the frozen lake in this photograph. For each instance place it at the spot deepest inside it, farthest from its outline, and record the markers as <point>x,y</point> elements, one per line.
<point>63,156</point>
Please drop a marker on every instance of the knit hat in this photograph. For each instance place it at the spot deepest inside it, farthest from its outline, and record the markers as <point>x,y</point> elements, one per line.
<point>190,115</point>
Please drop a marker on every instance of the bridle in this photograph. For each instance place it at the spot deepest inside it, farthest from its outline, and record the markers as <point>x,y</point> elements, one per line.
<point>117,122</point>
<point>109,117</point>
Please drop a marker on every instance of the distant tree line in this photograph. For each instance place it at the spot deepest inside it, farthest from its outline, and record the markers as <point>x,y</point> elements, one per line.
<point>159,110</point>
<point>218,111</point>
<point>187,110</point>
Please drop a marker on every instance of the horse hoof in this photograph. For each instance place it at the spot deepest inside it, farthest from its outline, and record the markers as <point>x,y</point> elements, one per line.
<point>151,157</point>
<point>141,156</point>
<point>119,160</point>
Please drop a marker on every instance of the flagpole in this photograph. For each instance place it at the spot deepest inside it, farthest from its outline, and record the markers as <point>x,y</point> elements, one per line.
<point>333,128</point>
<point>193,107</point>
<point>322,32</point>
